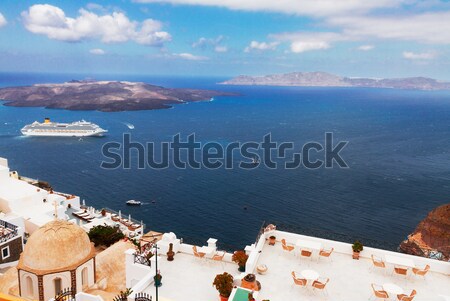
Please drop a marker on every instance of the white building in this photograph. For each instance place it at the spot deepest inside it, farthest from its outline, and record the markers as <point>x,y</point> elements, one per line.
<point>29,206</point>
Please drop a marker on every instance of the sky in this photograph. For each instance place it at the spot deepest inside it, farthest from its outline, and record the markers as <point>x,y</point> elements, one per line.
<point>358,38</point>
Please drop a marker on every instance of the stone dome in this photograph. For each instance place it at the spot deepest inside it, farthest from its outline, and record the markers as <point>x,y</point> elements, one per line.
<point>58,245</point>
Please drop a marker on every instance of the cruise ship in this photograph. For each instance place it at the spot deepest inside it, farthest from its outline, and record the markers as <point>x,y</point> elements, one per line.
<point>75,129</point>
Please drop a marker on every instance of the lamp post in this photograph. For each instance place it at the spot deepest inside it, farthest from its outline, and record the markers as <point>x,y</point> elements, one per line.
<point>156,267</point>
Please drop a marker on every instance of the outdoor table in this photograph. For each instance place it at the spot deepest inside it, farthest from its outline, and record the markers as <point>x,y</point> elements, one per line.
<point>314,245</point>
<point>402,261</point>
<point>392,289</point>
<point>309,275</point>
<point>241,294</point>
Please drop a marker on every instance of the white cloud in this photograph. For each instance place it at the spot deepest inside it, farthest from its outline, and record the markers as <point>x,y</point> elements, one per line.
<point>423,28</point>
<point>221,49</point>
<point>109,28</point>
<point>215,44</point>
<point>299,46</point>
<point>366,47</point>
<point>419,56</point>
<point>298,7</point>
<point>261,46</point>
<point>3,21</point>
<point>97,51</point>
<point>190,57</point>
<point>307,41</point>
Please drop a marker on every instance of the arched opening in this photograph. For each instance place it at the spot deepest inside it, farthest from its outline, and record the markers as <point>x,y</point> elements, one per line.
<point>29,289</point>
<point>84,278</point>
<point>57,284</point>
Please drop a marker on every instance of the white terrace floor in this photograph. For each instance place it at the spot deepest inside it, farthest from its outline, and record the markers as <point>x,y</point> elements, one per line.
<point>188,279</point>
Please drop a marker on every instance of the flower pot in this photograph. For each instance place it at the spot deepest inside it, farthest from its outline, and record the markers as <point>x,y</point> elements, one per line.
<point>272,241</point>
<point>241,269</point>
<point>356,255</point>
<point>170,255</point>
<point>222,298</point>
<point>157,281</point>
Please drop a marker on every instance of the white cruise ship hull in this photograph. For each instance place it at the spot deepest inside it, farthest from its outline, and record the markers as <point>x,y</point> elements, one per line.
<point>74,129</point>
<point>53,134</point>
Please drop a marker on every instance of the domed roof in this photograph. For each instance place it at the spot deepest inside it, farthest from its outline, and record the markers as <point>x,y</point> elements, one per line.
<point>58,245</point>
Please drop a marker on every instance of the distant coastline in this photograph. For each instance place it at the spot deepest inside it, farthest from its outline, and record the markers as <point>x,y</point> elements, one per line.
<point>106,96</point>
<point>323,79</point>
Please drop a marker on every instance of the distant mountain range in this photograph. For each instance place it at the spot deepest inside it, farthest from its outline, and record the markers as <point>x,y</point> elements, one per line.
<point>104,96</point>
<point>323,79</point>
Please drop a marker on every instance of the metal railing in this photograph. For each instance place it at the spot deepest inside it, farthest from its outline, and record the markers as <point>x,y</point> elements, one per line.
<point>142,259</point>
<point>12,231</point>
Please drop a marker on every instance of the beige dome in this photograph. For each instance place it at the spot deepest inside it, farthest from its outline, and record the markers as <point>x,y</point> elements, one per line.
<point>58,245</point>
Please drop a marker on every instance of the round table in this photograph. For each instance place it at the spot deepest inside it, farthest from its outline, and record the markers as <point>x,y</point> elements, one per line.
<point>393,289</point>
<point>309,274</point>
<point>262,269</point>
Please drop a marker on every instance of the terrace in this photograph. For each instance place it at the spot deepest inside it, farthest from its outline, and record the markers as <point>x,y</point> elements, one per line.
<point>190,278</point>
<point>7,231</point>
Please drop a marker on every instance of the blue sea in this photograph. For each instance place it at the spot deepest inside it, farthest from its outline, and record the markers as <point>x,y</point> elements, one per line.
<point>398,157</point>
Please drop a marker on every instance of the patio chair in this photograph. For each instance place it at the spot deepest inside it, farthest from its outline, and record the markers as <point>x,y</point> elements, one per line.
<point>197,253</point>
<point>286,247</point>
<point>421,272</point>
<point>379,292</point>
<point>377,262</point>
<point>219,257</point>
<point>306,253</point>
<point>400,270</point>
<point>404,297</point>
<point>321,284</point>
<point>326,253</point>
<point>299,281</point>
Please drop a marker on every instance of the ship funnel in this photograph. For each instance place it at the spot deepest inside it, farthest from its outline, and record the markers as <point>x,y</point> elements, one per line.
<point>47,120</point>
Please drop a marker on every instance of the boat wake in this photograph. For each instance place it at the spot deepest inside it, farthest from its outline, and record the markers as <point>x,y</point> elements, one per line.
<point>129,125</point>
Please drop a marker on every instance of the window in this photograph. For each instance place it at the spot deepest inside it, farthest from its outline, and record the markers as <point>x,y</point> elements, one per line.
<point>57,283</point>
<point>5,252</point>
<point>29,288</point>
<point>84,277</point>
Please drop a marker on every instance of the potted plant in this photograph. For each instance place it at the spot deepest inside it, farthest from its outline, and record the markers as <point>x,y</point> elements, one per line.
<point>250,297</point>
<point>103,212</point>
<point>170,253</point>
<point>357,248</point>
<point>272,240</point>
<point>224,284</point>
<point>157,278</point>
<point>241,259</point>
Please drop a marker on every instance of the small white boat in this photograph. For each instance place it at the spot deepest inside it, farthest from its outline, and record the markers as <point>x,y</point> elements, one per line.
<point>255,160</point>
<point>133,203</point>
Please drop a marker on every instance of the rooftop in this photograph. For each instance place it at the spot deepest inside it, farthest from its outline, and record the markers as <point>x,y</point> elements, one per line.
<point>189,278</point>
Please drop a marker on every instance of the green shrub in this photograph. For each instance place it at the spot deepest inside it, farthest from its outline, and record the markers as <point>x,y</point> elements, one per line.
<point>104,235</point>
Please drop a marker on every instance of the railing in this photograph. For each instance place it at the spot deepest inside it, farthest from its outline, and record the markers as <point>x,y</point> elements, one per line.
<point>12,231</point>
<point>142,297</point>
<point>67,294</point>
<point>142,259</point>
<point>261,232</point>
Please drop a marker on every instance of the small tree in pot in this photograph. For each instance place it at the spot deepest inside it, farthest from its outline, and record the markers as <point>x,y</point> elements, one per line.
<point>224,284</point>
<point>241,259</point>
<point>357,248</point>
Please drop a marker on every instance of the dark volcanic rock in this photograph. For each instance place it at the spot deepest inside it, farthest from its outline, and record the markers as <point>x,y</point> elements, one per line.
<point>107,96</point>
<point>432,234</point>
